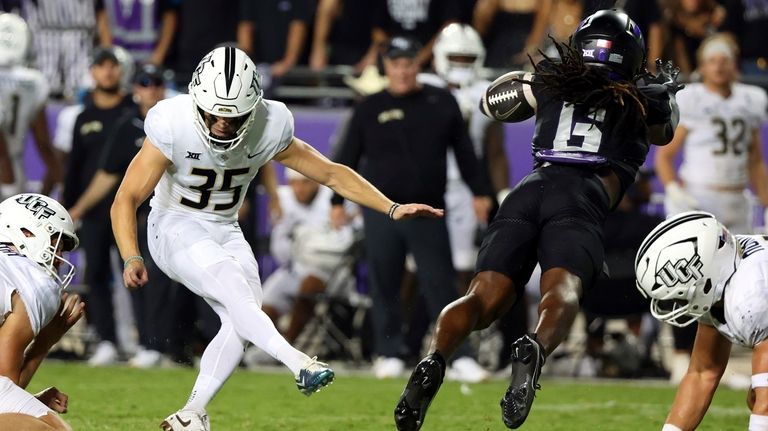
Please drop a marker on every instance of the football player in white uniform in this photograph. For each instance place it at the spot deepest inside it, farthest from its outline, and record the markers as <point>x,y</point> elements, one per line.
<point>34,314</point>
<point>23,93</point>
<point>201,150</point>
<point>719,136</point>
<point>692,269</point>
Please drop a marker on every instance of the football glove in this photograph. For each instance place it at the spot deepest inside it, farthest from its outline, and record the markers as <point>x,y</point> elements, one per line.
<point>666,75</point>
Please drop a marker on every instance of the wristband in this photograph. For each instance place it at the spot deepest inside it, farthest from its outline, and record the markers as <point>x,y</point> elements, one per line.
<point>670,427</point>
<point>760,380</point>
<point>130,259</point>
<point>392,209</point>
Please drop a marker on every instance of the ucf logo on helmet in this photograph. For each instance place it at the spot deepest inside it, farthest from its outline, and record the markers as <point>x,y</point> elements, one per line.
<point>681,271</point>
<point>36,206</point>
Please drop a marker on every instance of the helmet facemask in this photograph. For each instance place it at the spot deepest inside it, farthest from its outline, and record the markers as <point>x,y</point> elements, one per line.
<point>218,144</point>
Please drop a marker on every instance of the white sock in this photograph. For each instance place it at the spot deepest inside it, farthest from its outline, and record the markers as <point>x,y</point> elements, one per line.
<point>287,354</point>
<point>219,360</point>
<point>202,393</point>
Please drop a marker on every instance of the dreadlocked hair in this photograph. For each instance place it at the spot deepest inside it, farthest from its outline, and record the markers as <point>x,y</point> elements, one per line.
<point>573,82</point>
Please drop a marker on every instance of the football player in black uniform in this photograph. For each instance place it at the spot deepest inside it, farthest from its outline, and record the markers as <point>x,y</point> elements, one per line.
<point>597,111</point>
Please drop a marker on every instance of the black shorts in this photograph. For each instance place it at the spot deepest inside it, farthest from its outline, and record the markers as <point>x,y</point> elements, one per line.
<point>554,216</point>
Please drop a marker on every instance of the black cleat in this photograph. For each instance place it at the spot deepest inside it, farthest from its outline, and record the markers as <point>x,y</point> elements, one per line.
<point>418,394</point>
<point>527,360</point>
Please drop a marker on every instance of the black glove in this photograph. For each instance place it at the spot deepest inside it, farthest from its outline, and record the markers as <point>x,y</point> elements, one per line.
<point>666,75</point>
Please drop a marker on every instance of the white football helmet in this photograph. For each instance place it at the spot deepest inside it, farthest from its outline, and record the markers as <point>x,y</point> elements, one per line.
<point>225,84</point>
<point>458,40</point>
<point>683,266</point>
<point>15,39</point>
<point>38,226</point>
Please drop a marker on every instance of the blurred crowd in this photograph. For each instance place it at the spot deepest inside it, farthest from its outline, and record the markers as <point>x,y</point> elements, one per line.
<point>280,35</point>
<point>110,61</point>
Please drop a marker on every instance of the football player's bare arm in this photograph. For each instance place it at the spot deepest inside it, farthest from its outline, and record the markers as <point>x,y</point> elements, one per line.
<point>708,361</point>
<point>302,158</point>
<point>15,335</point>
<point>140,179</point>
<point>54,171</point>
<point>99,187</point>
<point>758,174</point>
<point>664,160</point>
<point>269,180</point>
<point>71,309</point>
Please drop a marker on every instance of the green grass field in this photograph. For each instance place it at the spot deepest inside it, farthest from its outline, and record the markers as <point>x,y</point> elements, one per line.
<point>125,399</point>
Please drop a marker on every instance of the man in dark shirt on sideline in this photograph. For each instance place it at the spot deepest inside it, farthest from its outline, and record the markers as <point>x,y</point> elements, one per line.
<point>401,136</point>
<point>92,127</point>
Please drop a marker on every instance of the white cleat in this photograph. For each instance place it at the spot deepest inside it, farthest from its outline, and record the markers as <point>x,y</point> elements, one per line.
<point>388,368</point>
<point>186,420</point>
<point>105,354</point>
<point>146,359</point>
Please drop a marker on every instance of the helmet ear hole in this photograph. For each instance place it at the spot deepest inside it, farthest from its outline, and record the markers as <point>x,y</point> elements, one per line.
<point>707,286</point>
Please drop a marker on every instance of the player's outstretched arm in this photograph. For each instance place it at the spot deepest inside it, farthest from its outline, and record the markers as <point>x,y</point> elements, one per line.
<point>71,309</point>
<point>15,335</point>
<point>302,158</point>
<point>708,361</point>
<point>140,179</point>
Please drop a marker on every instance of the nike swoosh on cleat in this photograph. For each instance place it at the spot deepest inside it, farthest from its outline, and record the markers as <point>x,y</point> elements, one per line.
<point>184,424</point>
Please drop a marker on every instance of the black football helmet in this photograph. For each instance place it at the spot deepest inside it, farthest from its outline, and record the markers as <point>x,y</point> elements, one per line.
<point>609,38</point>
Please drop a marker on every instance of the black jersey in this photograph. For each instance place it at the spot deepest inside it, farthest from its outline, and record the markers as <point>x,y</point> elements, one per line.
<point>579,135</point>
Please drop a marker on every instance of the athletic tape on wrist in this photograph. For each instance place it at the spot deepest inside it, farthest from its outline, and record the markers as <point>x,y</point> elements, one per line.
<point>670,427</point>
<point>758,423</point>
<point>760,380</point>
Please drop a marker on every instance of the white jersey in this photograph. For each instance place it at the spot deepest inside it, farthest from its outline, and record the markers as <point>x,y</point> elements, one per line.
<point>38,290</point>
<point>200,182</point>
<point>23,92</point>
<point>746,296</point>
<point>719,133</point>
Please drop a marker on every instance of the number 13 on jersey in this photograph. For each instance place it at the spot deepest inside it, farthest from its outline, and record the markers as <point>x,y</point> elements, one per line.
<point>579,129</point>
